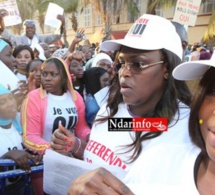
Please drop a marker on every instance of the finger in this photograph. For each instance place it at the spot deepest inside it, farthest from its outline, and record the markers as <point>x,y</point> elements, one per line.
<point>91,183</point>
<point>23,163</point>
<point>61,151</point>
<point>114,183</point>
<point>60,139</point>
<point>65,131</point>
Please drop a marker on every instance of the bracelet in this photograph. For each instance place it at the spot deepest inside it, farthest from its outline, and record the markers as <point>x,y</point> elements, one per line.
<point>77,146</point>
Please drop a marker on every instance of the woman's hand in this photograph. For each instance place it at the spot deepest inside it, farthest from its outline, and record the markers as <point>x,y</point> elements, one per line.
<point>3,13</point>
<point>62,140</point>
<point>21,157</point>
<point>99,181</point>
<point>77,55</point>
<point>79,36</point>
<point>31,82</point>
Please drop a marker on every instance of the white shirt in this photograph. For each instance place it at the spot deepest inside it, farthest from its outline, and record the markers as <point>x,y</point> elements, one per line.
<point>10,139</point>
<point>104,148</point>
<point>60,110</point>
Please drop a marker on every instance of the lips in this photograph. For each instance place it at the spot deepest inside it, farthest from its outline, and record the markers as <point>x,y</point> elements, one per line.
<point>46,86</point>
<point>80,73</point>
<point>124,85</point>
<point>22,65</point>
<point>211,137</point>
<point>125,89</point>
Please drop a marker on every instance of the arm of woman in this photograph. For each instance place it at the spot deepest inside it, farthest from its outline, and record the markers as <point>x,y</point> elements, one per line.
<point>75,41</point>
<point>31,120</point>
<point>3,13</point>
<point>99,181</point>
<point>82,130</point>
<point>21,158</point>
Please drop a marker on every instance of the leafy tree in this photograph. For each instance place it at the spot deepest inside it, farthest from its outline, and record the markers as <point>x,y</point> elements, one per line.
<point>108,9</point>
<point>209,36</point>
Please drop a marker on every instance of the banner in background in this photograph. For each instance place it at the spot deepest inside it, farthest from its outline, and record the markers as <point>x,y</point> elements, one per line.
<point>14,17</point>
<point>51,15</point>
<point>186,11</point>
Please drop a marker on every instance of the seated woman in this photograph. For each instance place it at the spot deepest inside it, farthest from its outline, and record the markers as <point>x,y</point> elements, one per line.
<point>95,79</point>
<point>11,141</point>
<point>202,121</point>
<point>54,103</point>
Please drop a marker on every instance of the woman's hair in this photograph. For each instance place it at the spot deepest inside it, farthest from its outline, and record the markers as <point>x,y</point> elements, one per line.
<point>206,87</point>
<point>19,48</point>
<point>30,63</point>
<point>92,79</point>
<point>168,105</point>
<point>60,66</point>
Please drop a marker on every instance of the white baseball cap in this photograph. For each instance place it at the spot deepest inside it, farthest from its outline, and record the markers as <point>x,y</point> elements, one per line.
<point>193,69</point>
<point>149,32</point>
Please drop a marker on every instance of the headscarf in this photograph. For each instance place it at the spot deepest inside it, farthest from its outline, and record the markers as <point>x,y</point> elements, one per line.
<point>3,44</point>
<point>60,52</point>
<point>69,83</point>
<point>15,121</point>
<point>92,79</point>
<point>101,56</point>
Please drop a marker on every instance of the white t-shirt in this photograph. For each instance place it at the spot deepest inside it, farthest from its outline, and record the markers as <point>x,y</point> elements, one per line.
<point>22,77</point>
<point>103,146</point>
<point>60,110</point>
<point>10,139</point>
<point>164,169</point>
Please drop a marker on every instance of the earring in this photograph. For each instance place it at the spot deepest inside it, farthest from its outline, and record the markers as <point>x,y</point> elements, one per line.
<point>200,121</point>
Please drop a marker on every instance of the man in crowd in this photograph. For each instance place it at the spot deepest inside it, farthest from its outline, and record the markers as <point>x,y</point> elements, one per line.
<point>30,37</point>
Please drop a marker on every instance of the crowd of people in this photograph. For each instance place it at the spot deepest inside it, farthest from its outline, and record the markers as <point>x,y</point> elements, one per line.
<point>56,106</point>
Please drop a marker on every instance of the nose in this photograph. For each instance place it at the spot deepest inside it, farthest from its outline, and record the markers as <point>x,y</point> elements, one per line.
<point>38,73</point>
<point>10,102</point>
<point>211,122</point>
<point>124,71</point>
<point>48,77</point>
<point>80,67</point>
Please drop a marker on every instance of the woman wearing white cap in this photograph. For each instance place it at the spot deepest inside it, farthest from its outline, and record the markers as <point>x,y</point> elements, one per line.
<point>202,120</point>
<point>150,51</point>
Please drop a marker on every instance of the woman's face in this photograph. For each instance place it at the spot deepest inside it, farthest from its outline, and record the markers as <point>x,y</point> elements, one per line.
<point>7,58</point>
<point>142,88</point>
<point>35,68</point>
<point>22,59</point>
<point>207,124</point>
<point>8,106</point>
<point>104,80</point>
<point>76,68</point>
<point>51,79</point>
<point>106,64</point>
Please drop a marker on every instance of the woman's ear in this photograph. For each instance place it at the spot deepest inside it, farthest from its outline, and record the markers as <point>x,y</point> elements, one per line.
<point>166,75</point>
<point>166,72</point>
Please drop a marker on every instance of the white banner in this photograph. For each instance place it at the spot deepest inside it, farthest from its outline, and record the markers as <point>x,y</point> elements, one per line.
<point>14,17</point>
<point>51,15</point>
<point>186,11</point>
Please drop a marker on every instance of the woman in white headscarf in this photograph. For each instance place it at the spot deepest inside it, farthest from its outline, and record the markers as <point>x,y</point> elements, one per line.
<point>103,60</point>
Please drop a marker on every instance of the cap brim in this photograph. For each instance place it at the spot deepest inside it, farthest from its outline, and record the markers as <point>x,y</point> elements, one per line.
<point>192,70</point>
<point>112,45</point>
